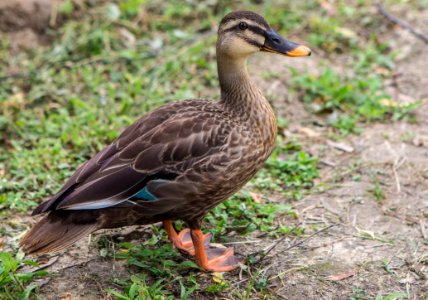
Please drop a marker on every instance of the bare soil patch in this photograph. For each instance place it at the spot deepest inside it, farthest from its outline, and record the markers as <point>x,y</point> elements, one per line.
<point>24,22</point>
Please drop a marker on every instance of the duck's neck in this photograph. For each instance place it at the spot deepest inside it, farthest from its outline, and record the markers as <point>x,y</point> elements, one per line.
<point>237,89</point>
<point>241,96</point>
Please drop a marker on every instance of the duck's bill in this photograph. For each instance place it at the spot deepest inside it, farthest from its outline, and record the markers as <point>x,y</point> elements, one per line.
<point>276,44</point>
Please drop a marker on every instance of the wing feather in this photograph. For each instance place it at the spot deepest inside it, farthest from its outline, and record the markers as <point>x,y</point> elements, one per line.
<point>169,140</point>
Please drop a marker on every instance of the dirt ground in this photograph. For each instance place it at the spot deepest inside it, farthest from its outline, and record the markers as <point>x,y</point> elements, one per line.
<point>375,246</point>
<point>378,246</point>
<point>25,22</point>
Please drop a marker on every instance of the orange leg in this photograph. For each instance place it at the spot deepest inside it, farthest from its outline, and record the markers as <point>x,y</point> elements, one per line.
<point>210,258</point>
<point>182,240</point>
<point>196,243</point>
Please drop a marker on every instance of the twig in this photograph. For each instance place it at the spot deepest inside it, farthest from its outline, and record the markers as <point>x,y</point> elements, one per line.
<point>242,242</point>
<point>49,263</point>
<point>423,230</point>
<point>265,253</point>
<point>288,271</point>
<point>420,274</point>
<point>401,23</point>
<point>397,180</point>
<point>309,237</point>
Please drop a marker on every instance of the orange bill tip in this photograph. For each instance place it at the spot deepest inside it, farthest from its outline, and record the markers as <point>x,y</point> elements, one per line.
<point>299,51</point>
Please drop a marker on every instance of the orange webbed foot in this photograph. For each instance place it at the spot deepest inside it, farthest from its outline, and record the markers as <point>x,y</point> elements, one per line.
<point>211,258</point>
<point>207,256</point>
<point>220,260</point>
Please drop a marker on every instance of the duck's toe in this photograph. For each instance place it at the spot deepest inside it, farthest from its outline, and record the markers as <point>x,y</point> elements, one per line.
<point>220,259</point>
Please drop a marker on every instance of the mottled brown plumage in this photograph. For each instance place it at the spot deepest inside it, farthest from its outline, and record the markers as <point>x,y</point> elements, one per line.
<point>177,162</point>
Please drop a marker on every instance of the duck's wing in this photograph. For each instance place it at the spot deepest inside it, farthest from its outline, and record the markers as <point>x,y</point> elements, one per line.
<point>156,149</point>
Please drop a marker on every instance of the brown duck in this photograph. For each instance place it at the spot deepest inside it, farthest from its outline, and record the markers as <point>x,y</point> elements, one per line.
<point>178,161</point>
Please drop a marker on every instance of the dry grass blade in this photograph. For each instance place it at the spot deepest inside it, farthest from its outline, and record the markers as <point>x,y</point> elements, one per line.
<point>269,249</point>
<point>341,276</point>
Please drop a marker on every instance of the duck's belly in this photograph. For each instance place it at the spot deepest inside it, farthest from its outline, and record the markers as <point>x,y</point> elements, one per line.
<point>217,184</point>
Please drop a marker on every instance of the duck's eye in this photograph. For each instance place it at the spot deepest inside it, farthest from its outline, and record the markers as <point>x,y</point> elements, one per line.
<point>243,26</point>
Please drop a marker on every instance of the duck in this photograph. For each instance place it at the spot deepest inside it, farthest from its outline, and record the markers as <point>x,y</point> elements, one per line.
<point>178,161</point>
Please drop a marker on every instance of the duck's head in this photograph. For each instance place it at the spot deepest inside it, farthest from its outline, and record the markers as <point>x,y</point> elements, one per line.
<point>242,33</point>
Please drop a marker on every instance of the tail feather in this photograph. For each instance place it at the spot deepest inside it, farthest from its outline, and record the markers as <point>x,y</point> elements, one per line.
<point>57,231</point>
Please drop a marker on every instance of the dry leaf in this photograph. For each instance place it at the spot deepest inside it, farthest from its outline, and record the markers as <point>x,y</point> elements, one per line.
<point>128,36</point>
<point>403,101</point>
<point>367,234</point>
<point>418,142</point>
<point>346,32</point>
<point>217,277</point>
<point>328,7</point>
<point>16,101</point>
<point>341,276</point>
<point>53,105</point>
<point>66,297</point>
<point>256,197</point>
<point>388,102</point>
<point>309,132</point>
<point>382,71</point>
<point>340,146</point>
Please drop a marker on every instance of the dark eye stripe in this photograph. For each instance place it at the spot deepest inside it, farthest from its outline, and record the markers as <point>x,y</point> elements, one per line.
<point>252,42</point>
<point>255,29</point>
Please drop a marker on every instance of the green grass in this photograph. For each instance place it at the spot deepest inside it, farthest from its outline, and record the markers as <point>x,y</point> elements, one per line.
<point>15,284</point>
<point>356,94</point>
<point>107,66</point>
<point>288,170</point>
<point>377,192</point>
<point>350,99</point>
<point>243,215</point>
<point>158,274</point>
<point>359,294</point>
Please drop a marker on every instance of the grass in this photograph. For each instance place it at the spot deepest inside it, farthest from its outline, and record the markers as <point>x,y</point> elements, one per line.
<point>159,262</point>
<point>359,294</point>
<point>107,66</point>
<point>243,215</point>
<point>15,284</point>
<point>352,99</point>
<point>377,192</point>
<point>289,169</point>
<point>160,272</point>
<point>355,94</point>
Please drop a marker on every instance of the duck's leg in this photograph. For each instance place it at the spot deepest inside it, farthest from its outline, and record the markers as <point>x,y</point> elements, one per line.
<point>194,242</point>
<point>182,240</point>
